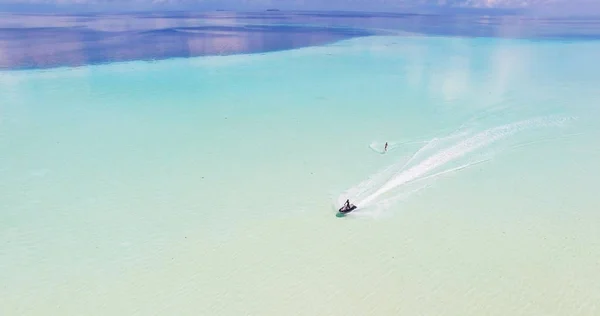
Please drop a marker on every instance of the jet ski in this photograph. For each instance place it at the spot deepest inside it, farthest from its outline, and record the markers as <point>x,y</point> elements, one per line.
<point>347,207</point>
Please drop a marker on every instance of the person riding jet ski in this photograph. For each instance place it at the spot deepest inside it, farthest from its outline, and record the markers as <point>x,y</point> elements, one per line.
<point>347,207</point>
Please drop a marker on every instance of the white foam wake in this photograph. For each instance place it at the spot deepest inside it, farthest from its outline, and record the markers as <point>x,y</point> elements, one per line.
<point>371,191</point>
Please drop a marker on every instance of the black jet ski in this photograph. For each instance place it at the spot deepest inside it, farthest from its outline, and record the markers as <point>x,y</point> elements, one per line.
<point>347,207</point>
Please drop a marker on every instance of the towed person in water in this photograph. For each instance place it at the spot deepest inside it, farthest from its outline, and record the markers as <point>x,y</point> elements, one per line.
<point>347,207</point>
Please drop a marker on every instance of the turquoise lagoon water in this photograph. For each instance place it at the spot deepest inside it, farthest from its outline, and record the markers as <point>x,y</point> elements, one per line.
<point>209,185</point>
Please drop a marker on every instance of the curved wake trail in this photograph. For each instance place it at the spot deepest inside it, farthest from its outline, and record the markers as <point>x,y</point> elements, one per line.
<point>362,198</point>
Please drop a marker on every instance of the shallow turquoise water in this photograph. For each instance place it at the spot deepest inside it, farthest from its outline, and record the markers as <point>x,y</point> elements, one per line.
<point>205,185</point>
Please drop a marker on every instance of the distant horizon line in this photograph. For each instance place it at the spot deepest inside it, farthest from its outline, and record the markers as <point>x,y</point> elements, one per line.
<point>83,9</point>
<point>74,9</point>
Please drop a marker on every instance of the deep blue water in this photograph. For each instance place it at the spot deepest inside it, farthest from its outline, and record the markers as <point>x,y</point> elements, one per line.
<point>45,41</point>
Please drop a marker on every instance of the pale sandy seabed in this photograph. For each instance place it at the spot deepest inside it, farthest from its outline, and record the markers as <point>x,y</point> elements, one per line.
<point>206,186</point>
